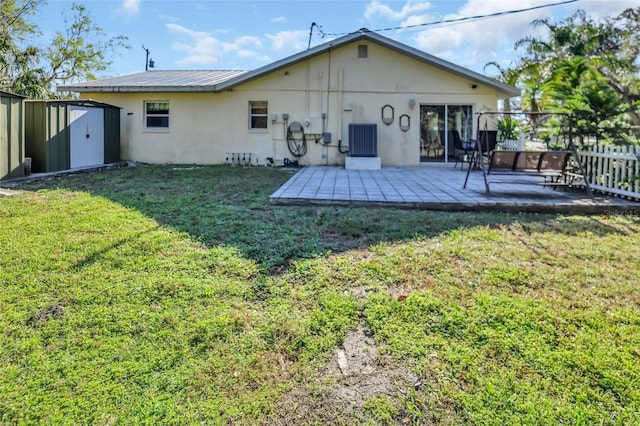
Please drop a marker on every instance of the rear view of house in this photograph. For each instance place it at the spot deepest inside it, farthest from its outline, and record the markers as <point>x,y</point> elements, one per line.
<point>361,93</point>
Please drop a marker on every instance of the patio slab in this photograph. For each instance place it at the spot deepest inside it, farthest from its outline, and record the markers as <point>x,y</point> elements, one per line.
<point>437,187</point>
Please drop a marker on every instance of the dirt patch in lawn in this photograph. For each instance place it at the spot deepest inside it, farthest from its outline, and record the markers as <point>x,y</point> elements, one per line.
<point>355,375</point>
<point>49,312</point>
<point>337,240</point>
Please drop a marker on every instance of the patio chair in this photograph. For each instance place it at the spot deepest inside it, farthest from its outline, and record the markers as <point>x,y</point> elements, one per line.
<point>485,143</point>
<point>461,149</point>
<point>487,139</point>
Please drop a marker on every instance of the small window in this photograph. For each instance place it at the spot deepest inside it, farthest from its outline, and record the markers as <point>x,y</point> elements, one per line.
<point>156,115</point>
<point>258,114</point>
<point>363,51</point>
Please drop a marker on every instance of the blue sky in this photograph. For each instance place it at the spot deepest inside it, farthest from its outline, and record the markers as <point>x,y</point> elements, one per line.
<point>246,34</point>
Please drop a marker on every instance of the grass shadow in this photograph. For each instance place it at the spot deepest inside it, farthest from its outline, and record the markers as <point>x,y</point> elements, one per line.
<point>98,254</point>
<point>229,206</point>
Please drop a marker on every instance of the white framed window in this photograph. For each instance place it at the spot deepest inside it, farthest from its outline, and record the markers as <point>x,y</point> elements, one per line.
<point>156,114</point>
<point>258,115</point>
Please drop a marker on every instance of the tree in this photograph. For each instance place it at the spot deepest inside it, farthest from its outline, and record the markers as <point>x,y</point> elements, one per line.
<point>71,56</point>
<point>580,89</point>
<point>532,97</point>
<point>623,69</point>
<point>14,30</point>
<point>507,75</point>
<point>573,37</point>
<point>74,54</point>
<point>606,56</point>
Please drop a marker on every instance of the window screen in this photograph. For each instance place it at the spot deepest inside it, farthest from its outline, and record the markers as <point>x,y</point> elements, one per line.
<point>156,114</point>
<point>258,112</point>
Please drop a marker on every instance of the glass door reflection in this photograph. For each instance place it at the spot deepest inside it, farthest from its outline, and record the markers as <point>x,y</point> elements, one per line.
<point>432,132</point>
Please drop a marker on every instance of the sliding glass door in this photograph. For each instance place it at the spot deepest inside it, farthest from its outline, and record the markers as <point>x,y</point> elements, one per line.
<point>436,124</point>
<point>432,128</point>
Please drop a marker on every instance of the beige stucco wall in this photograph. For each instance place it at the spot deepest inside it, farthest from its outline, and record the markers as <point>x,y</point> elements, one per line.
<point>348,89</point>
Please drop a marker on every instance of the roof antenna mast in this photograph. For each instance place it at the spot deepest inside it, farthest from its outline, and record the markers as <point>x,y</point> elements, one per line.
<point>313,24</point>
<point>148,63</point>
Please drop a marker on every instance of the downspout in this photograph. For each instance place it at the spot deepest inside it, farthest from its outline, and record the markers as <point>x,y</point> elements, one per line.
<point>308,106</point>
<point>326,112</point>
<point>321,89</point>
<point>328,91</point>
<point>340,102</point>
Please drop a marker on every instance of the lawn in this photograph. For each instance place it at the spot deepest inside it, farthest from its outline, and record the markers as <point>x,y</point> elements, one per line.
<point>179,295</point>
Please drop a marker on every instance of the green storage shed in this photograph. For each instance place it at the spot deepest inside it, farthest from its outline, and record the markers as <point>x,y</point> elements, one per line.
<point>70,134</point>
<point>12,145</point>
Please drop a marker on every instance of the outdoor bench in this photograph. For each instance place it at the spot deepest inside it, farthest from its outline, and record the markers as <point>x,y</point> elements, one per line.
<point>547,164</point>
<point>550,165</point>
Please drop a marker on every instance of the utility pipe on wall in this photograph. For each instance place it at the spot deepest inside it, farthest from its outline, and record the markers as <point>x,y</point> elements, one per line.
<point>340,102</point>
<point>308,83</point>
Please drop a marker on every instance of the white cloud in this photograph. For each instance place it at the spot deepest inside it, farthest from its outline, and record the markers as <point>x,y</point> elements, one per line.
<point>279,20</point>
<point>598,9</point>
<point>130,7</point>
<point>416,20</point>
<point>289,41</point>
<point>257,57</point>
<point>475,43</point>
<point>200,48</point>
<point>378,8</point>
<point>249,41</point>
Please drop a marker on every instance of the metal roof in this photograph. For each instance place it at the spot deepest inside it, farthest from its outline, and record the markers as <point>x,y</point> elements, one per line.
<point>156,81</point>
<point>215,81</point>
<point>12,95</point>
<point>75,102</point>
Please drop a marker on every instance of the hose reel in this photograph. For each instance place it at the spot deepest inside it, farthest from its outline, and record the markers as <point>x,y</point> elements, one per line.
<point>296,140</point>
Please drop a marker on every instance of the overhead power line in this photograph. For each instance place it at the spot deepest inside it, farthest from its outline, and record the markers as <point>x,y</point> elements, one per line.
<point>457,20</point>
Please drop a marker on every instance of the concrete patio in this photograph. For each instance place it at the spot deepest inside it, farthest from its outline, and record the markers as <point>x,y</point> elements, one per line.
<point>435,186</point>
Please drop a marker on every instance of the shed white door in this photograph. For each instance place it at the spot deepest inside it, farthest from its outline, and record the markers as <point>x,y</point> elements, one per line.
<point>86,136</point>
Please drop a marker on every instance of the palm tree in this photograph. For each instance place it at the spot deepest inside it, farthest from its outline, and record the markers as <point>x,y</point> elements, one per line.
<point>578,87</point>
<point>509,76</point>
<point>612,47</point>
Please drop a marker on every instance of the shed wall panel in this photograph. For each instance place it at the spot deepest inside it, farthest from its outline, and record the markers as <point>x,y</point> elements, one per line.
<point>35,133</point>
<point>111,135</point>
<point>11,136</point>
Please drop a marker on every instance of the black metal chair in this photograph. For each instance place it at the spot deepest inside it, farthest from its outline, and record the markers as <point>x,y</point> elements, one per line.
<point>487,139</point>
<point>485,143</point>
<point>461,149</point>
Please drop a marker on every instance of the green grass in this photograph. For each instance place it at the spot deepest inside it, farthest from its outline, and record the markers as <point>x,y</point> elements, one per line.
<point>178,295</point>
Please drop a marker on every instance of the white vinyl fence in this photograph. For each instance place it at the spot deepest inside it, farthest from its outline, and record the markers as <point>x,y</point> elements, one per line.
<point>613,169</point>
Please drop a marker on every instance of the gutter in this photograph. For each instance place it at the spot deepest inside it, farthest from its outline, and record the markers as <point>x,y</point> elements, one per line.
<point>137,89</point>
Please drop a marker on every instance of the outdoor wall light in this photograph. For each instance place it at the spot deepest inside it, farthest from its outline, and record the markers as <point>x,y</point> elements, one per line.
<point>405,122</point>
<point>474,86</point>
<point>387,114</point>
<point>412,103</point>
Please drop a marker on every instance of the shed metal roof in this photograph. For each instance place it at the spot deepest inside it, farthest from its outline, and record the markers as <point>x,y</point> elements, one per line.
<point>76,102</point>
<point>10,94</point>
<point>215,81</point>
